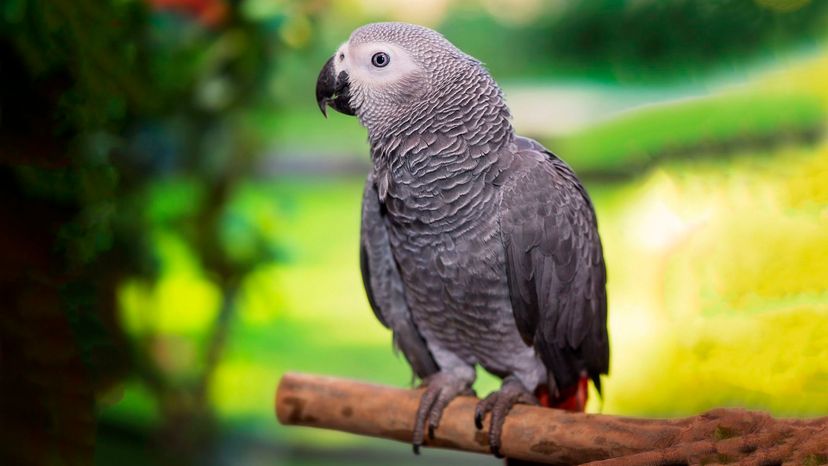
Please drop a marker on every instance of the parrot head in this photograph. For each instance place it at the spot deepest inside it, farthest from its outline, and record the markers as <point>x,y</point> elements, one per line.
<point>390,73</point>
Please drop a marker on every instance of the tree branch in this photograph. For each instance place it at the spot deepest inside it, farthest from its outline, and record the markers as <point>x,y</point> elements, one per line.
<point>553,436</point>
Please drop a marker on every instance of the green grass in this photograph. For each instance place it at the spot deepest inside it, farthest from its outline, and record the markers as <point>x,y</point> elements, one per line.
<point>742,120</point>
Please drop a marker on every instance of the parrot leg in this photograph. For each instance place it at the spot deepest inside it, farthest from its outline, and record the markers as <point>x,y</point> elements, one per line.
<point>499,403</point>
<point>441,388</point>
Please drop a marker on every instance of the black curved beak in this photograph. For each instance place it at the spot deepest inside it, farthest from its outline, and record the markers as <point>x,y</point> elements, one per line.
<point>333,90</point>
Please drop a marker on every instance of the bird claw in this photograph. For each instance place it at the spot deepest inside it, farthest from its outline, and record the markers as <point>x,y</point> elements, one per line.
<point>440,389</point>
<point>478,417</point>
<point>499,403</point>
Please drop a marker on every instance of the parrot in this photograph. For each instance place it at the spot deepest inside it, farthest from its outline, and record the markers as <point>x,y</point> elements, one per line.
<point>478,247</point>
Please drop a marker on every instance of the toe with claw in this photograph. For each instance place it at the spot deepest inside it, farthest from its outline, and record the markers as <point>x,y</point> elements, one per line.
<point>440,389</point>
<point>499,403</point>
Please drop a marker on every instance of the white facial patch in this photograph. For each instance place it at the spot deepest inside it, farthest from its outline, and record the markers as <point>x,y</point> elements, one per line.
<point>358,63</point>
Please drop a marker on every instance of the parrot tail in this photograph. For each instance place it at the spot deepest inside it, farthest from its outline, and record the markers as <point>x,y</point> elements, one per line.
<point>573,398</point>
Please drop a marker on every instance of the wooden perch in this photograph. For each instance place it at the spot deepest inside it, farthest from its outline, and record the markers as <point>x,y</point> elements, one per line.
<point>556,437</point>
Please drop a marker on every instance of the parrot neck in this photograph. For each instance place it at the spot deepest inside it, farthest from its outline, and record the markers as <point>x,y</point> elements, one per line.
<point>417,164</point>
<point>454,123</point>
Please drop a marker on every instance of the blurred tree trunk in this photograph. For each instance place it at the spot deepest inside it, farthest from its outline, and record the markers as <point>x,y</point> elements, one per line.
<point>59,342</point>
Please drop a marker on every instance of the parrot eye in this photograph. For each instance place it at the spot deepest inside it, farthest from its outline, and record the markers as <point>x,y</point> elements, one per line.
<point>380,59</point>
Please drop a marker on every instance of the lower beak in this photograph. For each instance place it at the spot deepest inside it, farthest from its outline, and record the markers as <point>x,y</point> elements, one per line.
<point>333,90</point>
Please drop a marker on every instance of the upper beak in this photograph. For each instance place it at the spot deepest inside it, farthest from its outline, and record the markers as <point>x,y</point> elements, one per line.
<point>333,90</point>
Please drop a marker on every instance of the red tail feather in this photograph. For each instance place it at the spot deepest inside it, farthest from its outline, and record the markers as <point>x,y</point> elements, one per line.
<point>573,398</point>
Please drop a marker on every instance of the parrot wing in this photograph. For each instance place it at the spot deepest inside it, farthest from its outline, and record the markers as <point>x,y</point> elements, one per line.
<point>555,266</point>
<point>384,286</point>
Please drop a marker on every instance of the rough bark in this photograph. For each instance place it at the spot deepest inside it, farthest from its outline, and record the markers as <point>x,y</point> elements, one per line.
<point>557,437</point>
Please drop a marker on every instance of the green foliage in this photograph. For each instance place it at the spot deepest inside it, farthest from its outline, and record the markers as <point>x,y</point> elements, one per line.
<point>713,125</point>
<point>629,41</point>
<point>640,38</point>
<point>55,37</point>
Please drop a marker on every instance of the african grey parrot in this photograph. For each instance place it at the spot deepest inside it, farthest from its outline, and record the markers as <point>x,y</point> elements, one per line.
<point>478,246</point>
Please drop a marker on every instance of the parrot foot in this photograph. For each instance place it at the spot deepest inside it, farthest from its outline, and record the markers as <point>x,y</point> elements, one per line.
<point>499,403</point>
<point>441,388</point>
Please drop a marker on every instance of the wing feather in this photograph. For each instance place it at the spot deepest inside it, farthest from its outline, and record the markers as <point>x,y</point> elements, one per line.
<point>555,267</point>
<point>384,287</point>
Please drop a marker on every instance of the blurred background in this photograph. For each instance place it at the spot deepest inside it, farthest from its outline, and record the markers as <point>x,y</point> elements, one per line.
<point>179,224</point>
